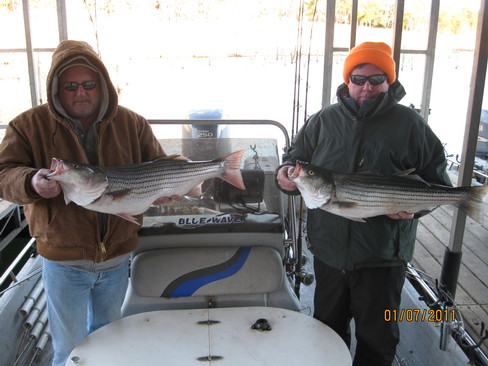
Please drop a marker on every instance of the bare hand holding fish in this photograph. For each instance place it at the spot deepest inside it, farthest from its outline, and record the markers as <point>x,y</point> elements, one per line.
<point>363,195</point>
<point>283,178</point>
<point>128,190</point>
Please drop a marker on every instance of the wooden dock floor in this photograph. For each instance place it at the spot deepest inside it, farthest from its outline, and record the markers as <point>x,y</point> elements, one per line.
<point>472,290</point>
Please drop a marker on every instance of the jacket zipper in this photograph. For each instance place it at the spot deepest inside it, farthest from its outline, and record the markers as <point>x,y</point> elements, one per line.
<point>361,162</point>
<point>102,248</point>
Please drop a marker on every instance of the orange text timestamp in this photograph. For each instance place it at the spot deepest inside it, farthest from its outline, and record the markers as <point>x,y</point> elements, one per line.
<point>416,315</point>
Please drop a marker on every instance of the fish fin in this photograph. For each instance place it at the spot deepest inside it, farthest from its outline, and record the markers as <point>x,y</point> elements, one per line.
<point>416,178</point>
<point>172,157</point>
<point>197,191</point>
<point>406,172</point>
<point>118,195</point>
<point>345,205</point>
<point>129,218</point>
<point>408,175</point>
<point>474,206</point>
<point>358,219</point>
<point>338,205</point>
<point>232,169</point>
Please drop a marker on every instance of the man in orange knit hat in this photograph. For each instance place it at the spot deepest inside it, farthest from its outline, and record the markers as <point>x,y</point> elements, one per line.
<point>360,266</point>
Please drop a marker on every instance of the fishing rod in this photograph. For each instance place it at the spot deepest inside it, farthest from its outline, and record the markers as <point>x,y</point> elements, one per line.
<point>308,63</point>
<point>94,23</point>
<point>300,275</point>
<point>297,248</point>
<point>298,259</point>
<point>298,63</point>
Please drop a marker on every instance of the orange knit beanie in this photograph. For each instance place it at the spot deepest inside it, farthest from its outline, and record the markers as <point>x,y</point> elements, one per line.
<point>376,53</point>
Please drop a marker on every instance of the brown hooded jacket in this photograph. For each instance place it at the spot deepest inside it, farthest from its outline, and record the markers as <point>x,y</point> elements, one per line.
<point>70,232</point>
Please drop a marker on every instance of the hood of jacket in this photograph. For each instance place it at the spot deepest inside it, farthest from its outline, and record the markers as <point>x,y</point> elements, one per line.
<point>72,52</point>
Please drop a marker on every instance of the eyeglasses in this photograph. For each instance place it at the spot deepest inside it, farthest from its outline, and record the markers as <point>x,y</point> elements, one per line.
<point>87,85</point>
<point>373,79</point>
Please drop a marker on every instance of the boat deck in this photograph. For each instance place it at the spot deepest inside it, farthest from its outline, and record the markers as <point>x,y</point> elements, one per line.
<point>472,291</point>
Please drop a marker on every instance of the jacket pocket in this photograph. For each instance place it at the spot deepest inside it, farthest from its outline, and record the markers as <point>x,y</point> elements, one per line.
<point>60,225</point>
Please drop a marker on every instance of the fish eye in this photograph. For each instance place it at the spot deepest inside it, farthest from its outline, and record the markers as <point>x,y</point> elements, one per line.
<point>311,172</point>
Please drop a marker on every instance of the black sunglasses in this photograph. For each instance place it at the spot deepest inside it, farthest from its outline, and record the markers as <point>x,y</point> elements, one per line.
<point>87,85</point>
<point>373,79</point>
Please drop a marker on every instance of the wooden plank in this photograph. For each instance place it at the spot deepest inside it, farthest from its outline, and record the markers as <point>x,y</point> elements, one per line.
<point>439,224</point>
<point>473,286</point>
<point>426,252</point>
<point>473,275</point>
<point>472,227</point>
<point>473,317</point>
<point>472,293</point>
<point>429,254</point>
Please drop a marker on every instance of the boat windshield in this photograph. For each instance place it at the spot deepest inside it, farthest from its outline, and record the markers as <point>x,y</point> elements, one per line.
<point>218,202</point>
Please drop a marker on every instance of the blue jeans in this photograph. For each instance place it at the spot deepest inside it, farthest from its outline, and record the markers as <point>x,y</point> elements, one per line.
<point>80,302</point>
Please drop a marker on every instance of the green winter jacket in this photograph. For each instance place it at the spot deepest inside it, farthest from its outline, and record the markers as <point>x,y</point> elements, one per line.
<point>386,138</point>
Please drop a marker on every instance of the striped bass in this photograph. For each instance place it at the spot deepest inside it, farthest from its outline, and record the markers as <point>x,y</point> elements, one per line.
<point>362,195</point>
<point>128,190</point>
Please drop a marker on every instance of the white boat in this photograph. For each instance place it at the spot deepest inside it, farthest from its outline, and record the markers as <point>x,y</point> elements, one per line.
<point>218,279</point>
<point>259,226</point>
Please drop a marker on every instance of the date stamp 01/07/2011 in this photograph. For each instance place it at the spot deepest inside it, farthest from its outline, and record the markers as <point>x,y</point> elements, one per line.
<point>420,315</point>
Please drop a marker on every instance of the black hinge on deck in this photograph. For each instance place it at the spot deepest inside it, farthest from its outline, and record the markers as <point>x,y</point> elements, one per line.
<point>210,358</point>
<point>208,322</point>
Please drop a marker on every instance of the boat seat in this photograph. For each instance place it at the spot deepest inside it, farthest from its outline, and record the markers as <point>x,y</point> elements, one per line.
<point>167,240</point>
<point>195,275</point>
<point>211,272</point>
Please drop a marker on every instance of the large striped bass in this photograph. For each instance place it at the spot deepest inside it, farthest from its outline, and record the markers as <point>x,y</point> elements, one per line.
<point>362,195</point>
<point>128,190</point>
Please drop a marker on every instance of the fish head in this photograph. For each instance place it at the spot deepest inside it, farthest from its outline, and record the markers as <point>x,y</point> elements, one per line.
<point>81,183</point>
<point>314,183</point>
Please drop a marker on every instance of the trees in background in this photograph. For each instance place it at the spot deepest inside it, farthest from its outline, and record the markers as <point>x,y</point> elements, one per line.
<point>455,16</point>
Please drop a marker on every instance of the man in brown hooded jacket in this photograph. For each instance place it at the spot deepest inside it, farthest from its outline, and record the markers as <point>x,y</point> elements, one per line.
<point>85,253</point>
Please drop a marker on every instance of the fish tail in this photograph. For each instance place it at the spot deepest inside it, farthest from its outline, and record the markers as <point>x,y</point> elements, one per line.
<point>232,169</point>
<point>474,204</point>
